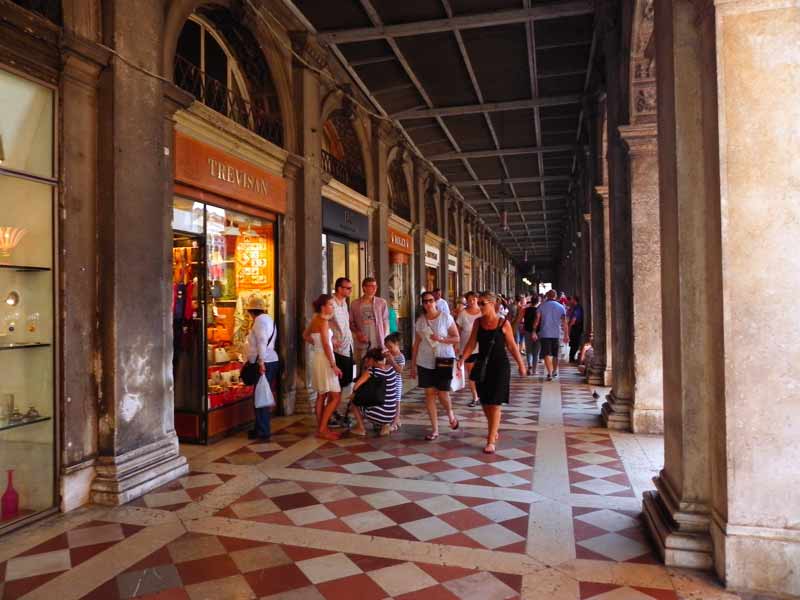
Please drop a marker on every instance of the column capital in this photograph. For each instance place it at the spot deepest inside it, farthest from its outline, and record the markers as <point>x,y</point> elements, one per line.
<point>640,140</point>
<point>602,192</point>
<point>306,46</point>
<point>292,167</point>
<point>587,217</point>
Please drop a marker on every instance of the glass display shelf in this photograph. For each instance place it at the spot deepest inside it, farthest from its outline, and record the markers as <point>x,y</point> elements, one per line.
<point>5,424</point>
<point>24,268</point>
<point>21,345</point>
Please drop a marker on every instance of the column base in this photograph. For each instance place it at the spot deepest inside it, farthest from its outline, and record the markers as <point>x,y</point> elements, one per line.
<point>123,478</point>
<point>599,375</point>
<point>757,559</point>
<point>681,536</point>
<point>616,412</point>
<point>76,485</point>
<point>647,420</point>
<point>304,399</point>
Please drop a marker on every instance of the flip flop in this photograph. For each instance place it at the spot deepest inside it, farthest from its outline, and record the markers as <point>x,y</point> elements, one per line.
<point>489,449</point>
<point>454,427</point>
<point>432,436</point>
<point>328,435</point>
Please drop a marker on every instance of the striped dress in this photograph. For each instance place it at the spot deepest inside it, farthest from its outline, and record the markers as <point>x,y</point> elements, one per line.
<point>386,412</point>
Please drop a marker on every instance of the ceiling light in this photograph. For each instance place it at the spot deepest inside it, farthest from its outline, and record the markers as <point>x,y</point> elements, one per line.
<point>12,299</point>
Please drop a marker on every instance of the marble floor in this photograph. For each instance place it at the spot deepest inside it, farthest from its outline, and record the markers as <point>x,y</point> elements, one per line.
<point>555,513</point>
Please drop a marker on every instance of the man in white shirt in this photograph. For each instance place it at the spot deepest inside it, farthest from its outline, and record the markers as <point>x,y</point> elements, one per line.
<point>441,303</point>
<point>261,347</point>
<point>342,341</point>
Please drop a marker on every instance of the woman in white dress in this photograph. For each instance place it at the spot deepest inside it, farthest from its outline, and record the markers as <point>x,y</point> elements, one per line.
<point>466,319</point>
<point>324,372</point>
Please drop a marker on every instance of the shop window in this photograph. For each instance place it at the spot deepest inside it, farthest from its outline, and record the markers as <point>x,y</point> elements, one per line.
<point>27,300</point>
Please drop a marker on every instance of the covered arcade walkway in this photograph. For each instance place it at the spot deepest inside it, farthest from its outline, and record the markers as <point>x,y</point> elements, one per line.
<point>554,514</point>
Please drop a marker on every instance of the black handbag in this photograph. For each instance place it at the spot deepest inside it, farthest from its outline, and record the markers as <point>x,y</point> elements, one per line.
<point>478,374</point>
<point>371,393</point>
<point>250,373</point>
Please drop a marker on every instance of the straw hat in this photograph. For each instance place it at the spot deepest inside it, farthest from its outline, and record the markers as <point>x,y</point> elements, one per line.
<point>256,303</point>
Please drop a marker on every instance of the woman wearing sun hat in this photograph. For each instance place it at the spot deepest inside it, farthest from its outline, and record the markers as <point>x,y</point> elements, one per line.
<point>261,347</point>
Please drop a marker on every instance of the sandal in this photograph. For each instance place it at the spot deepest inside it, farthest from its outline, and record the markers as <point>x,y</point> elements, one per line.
<point>434,435</point>
<point>329,435</point>
<point>489,449</point>
<point>396,426</point>
<point>454,427</point>
<point>358,432</point>
<point>473,403</point>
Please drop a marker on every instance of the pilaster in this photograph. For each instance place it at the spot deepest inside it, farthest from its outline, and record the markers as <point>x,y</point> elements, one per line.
<point>600,370</point>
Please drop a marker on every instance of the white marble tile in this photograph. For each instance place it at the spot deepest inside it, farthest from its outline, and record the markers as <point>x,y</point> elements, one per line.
<point>494,536</point>
<point>510,466</point>
<point>361,467</point>
<point>328,567</point>
<point>480,586</point>
<point>367,521</point>
<point>260,557</point>
<point>439,505</point>
<point>455,475</point>
<point>22,567</point>
<point>600,486</point>
<point>234,587</point>
<point>499,511</point>
<point>384,499</point>
<point>254,508</point>
<point>402,579</point>
<point>550,532</point>
<point>282,488</point>
<point>309,514</point>
<point>506,480</point>
<point>464,462</point>
<point>597,471</point>
<point>429,528</point>
<point>101,534</point>
<point>408,472</point>
<point>616,547</point>
<point>156,500</point>
<point>331,493</point>
<point>193,481</point>
<point>609,520</point>
<point>193,546</point>
<point>417,459</point>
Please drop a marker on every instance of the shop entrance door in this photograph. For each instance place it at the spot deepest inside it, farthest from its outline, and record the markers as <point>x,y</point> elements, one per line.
<point>188,310</point>
<point>343,260</point>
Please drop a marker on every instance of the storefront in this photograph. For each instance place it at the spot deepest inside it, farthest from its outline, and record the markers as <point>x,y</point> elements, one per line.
<point>345,232</point>
<point>225,217</point>
<point>452,277</point>
<point>431,267</point>
<point>400,252</point>
<point>29,345</point>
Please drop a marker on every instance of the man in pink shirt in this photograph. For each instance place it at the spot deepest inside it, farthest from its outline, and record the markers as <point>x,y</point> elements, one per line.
<point>369,319</point>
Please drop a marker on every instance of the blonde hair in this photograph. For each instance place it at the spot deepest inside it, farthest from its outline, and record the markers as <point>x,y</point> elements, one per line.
<point>490,296</point>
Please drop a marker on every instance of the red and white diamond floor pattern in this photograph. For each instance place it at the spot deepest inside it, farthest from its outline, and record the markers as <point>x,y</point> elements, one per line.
<point>373,518</point>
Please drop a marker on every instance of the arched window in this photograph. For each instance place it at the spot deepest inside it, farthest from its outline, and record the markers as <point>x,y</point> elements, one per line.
<point>206,66</point>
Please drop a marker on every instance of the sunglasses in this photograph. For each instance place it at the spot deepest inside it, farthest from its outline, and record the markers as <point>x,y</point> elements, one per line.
<point>482,303</point>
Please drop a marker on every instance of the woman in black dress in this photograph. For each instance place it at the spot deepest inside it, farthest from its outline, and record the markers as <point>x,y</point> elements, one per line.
<point>493,334</point>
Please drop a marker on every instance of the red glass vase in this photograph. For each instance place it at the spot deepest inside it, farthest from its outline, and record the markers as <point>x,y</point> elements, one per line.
<point>10,500</point>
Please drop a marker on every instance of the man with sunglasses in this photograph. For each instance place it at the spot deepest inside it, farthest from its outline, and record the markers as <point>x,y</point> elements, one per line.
<point>342,341</point>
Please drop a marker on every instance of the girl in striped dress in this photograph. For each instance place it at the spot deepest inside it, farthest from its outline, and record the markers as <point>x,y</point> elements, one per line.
<point>384,414</point>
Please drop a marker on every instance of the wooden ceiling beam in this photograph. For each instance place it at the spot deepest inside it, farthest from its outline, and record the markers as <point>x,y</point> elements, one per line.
<point>469,109</point>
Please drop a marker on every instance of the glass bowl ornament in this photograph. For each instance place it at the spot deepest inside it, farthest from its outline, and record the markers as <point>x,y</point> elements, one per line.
<point>10,237</point>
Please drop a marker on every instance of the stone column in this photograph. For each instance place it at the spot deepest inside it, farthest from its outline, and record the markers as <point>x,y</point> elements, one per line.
<point>83,63</point>
<point>600,370</point>
<point>444,247</point>
<point>647,414</point>
<point>379,217</point>
<point>460,254</point>
<point>756,509</point>
<point>308,211</point>
<point>586,241</point>
<point>137,444</point>
<point>679,513</point>
<point>421,175</point>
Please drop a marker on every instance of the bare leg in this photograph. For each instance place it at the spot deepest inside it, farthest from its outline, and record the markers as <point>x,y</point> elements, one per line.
<point>548,364</point>
<point>493,417</point>
<point>335,398</point>
<point>359,419</point>
<point>555,364</point>
<point>444,400</point>
<point>430,404</point>
<point>473,390</point>
<point>320,405</point>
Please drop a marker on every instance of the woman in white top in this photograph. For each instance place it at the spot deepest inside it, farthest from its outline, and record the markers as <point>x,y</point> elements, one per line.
<point>433,358</point>
<point>261,347</point>
<point>324,372</point>
<point>465,322</point>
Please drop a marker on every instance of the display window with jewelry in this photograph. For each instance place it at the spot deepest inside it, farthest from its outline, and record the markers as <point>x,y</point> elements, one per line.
<point>28,188</point>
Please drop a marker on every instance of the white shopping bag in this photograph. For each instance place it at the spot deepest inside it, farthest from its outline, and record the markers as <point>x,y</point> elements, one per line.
<point>563,351</point>
<point>457,382</point>
<point>263,394</point>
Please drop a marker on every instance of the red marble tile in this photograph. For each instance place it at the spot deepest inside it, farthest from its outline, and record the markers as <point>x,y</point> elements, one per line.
<point>389,463</point>
<point>585,531</point>
<point>58,542</point>
<point>581,552</point>
<point>234,544</point>
<point>128,530</point>
<point>405,513</point>
<point>206,569</point>
<point>443,573</point>
<point>291,501</point>
<point>275,518</point>
<point>156,559</point>
<point>107,591</point>
<point>275,580</point>
<point>372,563</point>
<point>457,539</point>
<point>173,594</point>
<point>465,519</point>
<point>358,586</point>
<point>512,581</point>
<point>518,525</point>
<point>590,588</point>
<point>84,553</point>
<point>332,525</point>
<point>298,553</point>
<point>348,506</point>
<point>394,532</point>
<point>197,492</point>
<point>657,593</point>
<point>20,587</point>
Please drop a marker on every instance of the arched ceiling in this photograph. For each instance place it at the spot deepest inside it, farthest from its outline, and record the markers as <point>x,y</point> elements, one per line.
<point>489,90</point>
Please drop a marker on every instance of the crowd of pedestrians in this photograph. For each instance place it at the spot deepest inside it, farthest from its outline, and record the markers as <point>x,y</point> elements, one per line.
<point>355,354</point>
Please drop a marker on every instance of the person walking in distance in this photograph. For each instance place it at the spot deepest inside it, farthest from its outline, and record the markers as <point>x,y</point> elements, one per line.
<point>532,345</point>
<point>324,372</point>
<point>464,323</point>
<point>261,348</point>
<point>551,324</point>
<point>575,328</point>
<point>369,319</point>
<point>494,335</point>
<point>441,304</point>
<point>342,339</point>
<point>433,358</point>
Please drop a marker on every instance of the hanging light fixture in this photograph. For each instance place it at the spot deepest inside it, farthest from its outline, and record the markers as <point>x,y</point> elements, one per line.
<point>504,220</point>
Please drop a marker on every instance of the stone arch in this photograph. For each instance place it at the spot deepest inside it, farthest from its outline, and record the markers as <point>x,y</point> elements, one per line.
<point>400,184</point>
<point>431,208</point>
<point>263,48</point>
<point>642,68</point>
<point>345,137</point>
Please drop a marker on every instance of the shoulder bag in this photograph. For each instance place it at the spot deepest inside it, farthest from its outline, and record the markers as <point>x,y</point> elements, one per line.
<point>478,374</point>
<point>250,372</point>
<point>371,393</point>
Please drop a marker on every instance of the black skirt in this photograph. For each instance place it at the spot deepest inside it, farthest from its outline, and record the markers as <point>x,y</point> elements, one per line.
<point>495,389</point>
